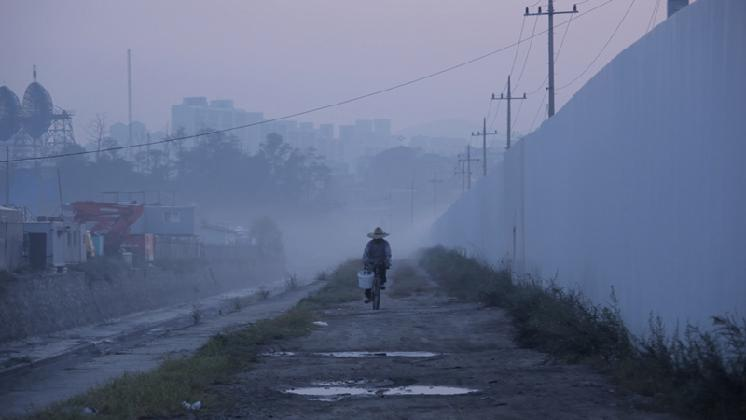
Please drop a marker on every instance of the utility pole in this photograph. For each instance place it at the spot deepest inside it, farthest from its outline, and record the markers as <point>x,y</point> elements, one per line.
<point>129,95</point>
<point>509,98</point>
<point>467,161</point>
<point>411,202</point>
<point>550,33</point>
<point>484,135</point>
<point>59,190</point>
<point>461,171</point>
<point>435,181</point>
<point>7,175</point>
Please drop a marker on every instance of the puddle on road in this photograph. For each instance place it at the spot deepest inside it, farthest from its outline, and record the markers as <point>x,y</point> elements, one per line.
<point>357,354</point>
<point>334,391</point>
<point>330,392</point>
<point>278,354</point>
<point>352,354</point>
<point>429,390</point>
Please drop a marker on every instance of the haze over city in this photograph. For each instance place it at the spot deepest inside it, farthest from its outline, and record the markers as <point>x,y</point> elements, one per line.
<point>285,56</point>
<point>346,209</point>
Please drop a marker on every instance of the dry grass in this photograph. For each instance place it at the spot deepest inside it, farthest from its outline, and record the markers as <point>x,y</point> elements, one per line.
<point>700,374</point>
<point>408,280</point>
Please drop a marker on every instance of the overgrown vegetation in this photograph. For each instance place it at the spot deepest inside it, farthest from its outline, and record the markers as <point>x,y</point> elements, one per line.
<point>159,393</point>
<point>196,314</point>
<point>697,373</point>
<point>101,269</point>
<point>340,287</point>
<point>292,283</point>
<point>6,275</point>
<point>277,174</point>
<point>179,266</point>
<point>408,280</point>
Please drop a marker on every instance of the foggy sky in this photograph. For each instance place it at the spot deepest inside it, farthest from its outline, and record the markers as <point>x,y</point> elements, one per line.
<point>283,56</point>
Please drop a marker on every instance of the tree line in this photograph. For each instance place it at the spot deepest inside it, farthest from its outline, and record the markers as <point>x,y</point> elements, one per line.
<point>214,172</point>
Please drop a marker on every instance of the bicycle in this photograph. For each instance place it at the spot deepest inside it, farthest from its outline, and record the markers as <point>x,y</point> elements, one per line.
<point>375,291</point>
<point>373,284</point>
<point>379,272</point>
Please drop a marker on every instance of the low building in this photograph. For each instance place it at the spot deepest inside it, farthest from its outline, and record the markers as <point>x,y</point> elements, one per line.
<point>145,230</point>
<point>166,220</point>
<point>214,234</point>
<point>53,243</point>
<point>167,232</point>
<point>11,238</point>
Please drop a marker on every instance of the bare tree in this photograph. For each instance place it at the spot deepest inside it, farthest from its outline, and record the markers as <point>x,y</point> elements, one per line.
<point>97,132</point>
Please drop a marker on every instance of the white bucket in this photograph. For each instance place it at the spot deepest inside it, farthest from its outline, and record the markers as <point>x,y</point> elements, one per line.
<point>364,279</point>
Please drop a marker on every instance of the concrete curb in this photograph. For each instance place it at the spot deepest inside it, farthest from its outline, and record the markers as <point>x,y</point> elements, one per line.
<point>210,308</point>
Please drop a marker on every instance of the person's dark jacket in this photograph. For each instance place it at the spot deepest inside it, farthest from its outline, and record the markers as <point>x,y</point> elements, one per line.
<point>377,252</point>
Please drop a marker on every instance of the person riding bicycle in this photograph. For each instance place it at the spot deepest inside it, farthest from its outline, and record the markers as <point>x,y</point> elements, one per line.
<point>377,257</point>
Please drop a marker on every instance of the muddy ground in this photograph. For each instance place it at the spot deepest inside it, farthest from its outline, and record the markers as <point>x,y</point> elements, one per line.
<point>475,351</point>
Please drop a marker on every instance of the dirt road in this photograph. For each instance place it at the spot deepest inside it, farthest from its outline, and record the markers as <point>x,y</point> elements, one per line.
<point>473,351</point>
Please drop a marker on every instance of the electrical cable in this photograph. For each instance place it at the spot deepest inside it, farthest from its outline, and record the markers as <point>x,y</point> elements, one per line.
<point>528,53</point>
<point>556,59</point>
<point>606,44</point>
<point>518,47</point>
<point>307,111</point>
<point>538,111</point>
<point>497,111</point>
<point>653,16</point>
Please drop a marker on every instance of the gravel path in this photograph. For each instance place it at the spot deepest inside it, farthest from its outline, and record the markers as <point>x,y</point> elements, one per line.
<point>474,351</point>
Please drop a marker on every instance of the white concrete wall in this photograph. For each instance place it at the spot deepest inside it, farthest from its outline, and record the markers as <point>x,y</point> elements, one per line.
<point>639,182</point>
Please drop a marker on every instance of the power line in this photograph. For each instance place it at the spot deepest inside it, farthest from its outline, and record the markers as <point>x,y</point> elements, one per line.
<point>550,45</point>
<point>653,16</point>
<point>497,111</point>
<point>525,61</point>
<point>484,135</point>
<point>538,110</point>
<point>559,51</point>
<point>543,84</point>
<point>310,110</point>
<point>606,44</point>
<point>556,59</point>
<point>528,53</point>
<point>467,160</point>
<point>509,99</point>
<point>512,66</point>
<point>518,47</point>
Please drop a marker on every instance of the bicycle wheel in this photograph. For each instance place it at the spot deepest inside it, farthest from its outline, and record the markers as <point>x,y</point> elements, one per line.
<point>376,292</point>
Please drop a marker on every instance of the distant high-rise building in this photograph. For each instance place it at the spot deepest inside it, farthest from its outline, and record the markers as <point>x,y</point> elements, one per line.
<point>119,132</point>
<point>382,128</point>
<point>363,131</point>
<point>326,131</point>
<point>305,127</point>
<point>195,115</point>
<point>346,133</point>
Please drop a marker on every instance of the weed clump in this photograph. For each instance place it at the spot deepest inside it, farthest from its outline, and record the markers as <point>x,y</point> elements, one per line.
<point>262,294</point>
<point>408,281</point>
<point>700,374</point>
<point>196,314</point>
<point>341,286</point>
<point>292,283</point>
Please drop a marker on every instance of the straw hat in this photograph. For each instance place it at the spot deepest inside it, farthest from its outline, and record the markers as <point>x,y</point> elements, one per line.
<point>378,233</point>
